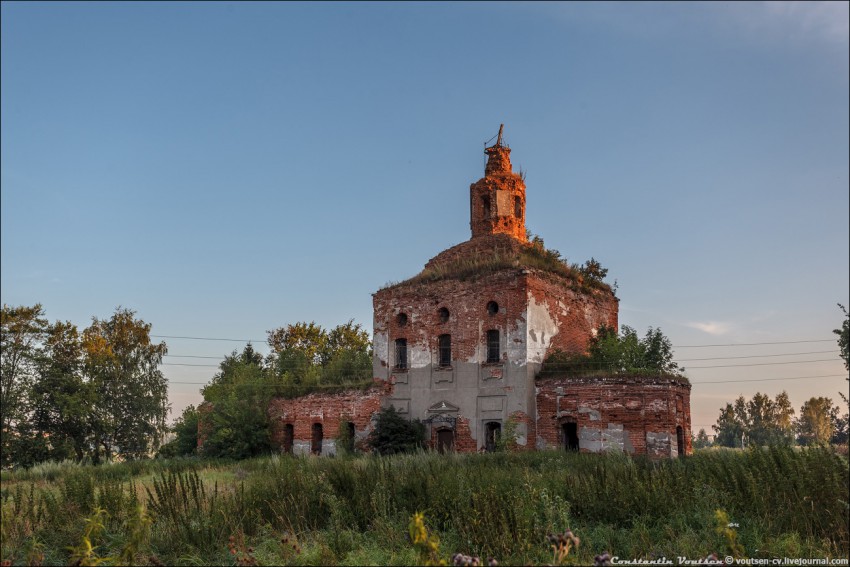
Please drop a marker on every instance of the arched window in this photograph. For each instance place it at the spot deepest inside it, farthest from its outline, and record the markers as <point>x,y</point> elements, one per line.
<point>680,439</point>
<point>485,206</point>
<point>444,346</point>
<point>518,207</point>
<point>316,440</point>
<point>492,308</point>
<point>401,319</point>
<point>401,354</point>
<point>288,437</point>
<point>493,350</point>
<point>443,314</point>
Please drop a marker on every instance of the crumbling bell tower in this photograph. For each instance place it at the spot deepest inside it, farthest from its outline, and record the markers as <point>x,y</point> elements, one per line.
<point>497,200</point>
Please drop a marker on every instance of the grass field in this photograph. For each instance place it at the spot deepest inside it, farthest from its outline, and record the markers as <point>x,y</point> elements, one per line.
<point>277,510</point>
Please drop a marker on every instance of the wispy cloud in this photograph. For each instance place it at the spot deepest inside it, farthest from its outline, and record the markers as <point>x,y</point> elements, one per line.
<point>710,327</point>
<point>792,21</point>
<point>823,20</point>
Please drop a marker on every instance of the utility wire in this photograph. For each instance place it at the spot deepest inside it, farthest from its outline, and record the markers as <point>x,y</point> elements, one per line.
<point>591,364</point>
<point>678,360</point>
<point>674,346</point>
<point>756,356</point>
<point>699,382</point>
<point>756,344</point>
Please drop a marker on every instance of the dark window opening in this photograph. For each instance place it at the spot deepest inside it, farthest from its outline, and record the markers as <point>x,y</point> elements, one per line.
<point>443,314</point>
<point>349,440</point>
<point>316,440</point>
<point>445,350</point>
<point>485,205</point>
<point>492,308</point>
<point>401,354</point>
<point>570,436</point>
<point>445,440</point>
<point>680,439</point>
<point>518,207</point>
<point>288,437</point>
<point>401,319</point>
<point>494,433</point>
<point>493,346</point>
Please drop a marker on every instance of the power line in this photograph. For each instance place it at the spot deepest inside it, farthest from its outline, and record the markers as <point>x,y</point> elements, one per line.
<point>756,344</point>
<point>763,363</point>
<point>770,379</point>
<point>756,356</point>
<point>593,364</point>
<point>699,382</point>
<point>209,339</point>
<point>221,357</point>
<point>674,346</point>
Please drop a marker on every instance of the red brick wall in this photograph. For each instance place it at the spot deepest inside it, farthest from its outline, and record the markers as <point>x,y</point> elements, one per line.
<point>639,404</point>
<point>466,301</point>
<point>577,313</point>
<point>501,187</point>
<point>463,441</point>
<point>356,406</point>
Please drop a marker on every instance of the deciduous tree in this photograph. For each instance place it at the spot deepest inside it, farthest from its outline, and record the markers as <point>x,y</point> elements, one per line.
<point>22,330</point>
<point>122,366</point>
<point>817,421</point>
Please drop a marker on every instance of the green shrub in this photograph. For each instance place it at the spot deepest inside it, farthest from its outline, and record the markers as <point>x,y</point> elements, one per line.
<point>394,434</point>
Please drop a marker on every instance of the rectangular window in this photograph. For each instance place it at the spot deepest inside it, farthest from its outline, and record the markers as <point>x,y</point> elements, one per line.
<point>493,354</point>
<point>401,354</point>
<point>445,348</point>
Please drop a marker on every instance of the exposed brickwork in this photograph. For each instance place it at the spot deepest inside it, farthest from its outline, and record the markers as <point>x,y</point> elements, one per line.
<point>578,314</point>
<point>329,410</point>
<point>463,441</point>
<point>492,284</point>
<point>497,200</point>
<point>647,410</point>
<point>484,247</point>
<point>468,321</point>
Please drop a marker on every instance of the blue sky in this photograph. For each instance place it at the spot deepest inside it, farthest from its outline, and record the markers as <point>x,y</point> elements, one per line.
<point>225,168</point>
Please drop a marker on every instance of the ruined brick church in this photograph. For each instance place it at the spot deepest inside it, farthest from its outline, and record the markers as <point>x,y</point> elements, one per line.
<point>460,347</point>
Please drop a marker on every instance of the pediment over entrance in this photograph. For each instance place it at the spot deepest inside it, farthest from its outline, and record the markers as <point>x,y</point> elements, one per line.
<point>443,407</point>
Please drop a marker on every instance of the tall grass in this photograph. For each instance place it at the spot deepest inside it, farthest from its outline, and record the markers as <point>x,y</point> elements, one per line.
<point>356,509</point>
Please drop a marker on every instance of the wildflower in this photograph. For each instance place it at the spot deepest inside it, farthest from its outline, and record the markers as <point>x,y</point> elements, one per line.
<point>603,560</point>
<point>561,545</point>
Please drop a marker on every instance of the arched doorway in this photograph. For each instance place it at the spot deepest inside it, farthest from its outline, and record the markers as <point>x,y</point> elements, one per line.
<point>350,431</point>
<point>445,440</point>
<point>288,437</point>
<point>316,439</point>
<point>569,435</point>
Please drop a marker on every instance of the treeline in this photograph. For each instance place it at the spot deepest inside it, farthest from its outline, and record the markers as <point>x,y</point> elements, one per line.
<point>304,357</point>
<point>71,394</point>
<point>763,421</point>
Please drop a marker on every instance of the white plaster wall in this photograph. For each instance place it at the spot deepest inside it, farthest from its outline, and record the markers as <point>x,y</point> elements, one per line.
<point>418,356</point>
<point>541,328</point>
<point>380,346</point>
<point>516,340</point>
